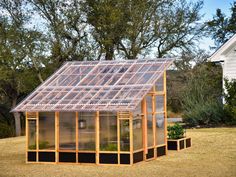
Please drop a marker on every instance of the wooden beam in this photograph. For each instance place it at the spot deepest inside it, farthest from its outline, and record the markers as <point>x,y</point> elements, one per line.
<point>37,137</point>
<point>26,136</point>
<point>144,122</point>
<point>154,123</point>
<point>131,140</point>
<point>118,136</point>
<point>165,109</point>
<point>57,136</point>
<point>77,135</point>
<point>97,137</point>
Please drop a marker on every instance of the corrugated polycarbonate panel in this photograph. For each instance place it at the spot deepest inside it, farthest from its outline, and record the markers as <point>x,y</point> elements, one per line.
<point>92,86</point>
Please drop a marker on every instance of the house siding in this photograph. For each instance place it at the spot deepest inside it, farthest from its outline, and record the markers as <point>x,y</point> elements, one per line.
<point>229,68</point>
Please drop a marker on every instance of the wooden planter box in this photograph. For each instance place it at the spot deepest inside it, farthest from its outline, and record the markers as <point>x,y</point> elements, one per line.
<point>179,144</point>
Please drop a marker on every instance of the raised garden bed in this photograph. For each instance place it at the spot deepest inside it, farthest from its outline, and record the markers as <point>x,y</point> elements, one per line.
<point>179,144</point>
<point>177,139</point>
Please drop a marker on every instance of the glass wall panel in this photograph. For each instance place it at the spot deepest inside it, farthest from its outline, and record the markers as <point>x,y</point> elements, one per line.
<point>149,103</point>
<point>67,126</point>
<point>137,132</point>
<point>86,130</point>
<point>124,135</point>
<point>108,131</point>
<point>31,134</point>
<point>46,130</point>
<point>150,135</point>
<point>160,103</point>
<point>160,129</point>
<point>137,128</point>
<point>160,84</point>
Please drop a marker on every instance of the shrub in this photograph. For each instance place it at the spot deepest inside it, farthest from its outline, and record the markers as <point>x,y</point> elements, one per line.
<point>6,130</point>
<point>205,113</point>
<point>230,105</point>
<point>175,132</point>
<point>202,96</point>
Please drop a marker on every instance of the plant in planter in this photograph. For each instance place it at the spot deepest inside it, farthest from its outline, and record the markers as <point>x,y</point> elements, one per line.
<point>176,131</point>
<point>176,138</point>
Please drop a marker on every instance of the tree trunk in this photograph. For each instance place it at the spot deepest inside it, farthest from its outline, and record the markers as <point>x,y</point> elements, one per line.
<point>109,52</point>
<point>17,123</point>
<point>40,77</point>
<point>17,120</point>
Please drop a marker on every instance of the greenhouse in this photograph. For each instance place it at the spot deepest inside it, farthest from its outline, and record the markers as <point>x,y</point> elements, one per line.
<point>98,112</point>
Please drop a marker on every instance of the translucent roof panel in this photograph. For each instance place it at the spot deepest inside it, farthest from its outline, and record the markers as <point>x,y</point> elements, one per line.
<point>96,86</point>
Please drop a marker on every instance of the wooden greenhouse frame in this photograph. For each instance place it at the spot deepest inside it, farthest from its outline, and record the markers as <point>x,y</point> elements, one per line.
<point>152,114</point>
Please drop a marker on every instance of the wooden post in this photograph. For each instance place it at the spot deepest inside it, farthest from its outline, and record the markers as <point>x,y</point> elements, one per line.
<point>37,137</point>
<point>118,136</point>
<point>131,137</point>
<point>77,135</point>
<point>165,109</point>
<point>144,111</point>
<point>57,136</point>
<point>97,137</point>
<point>26,136</point>
<point>154,123</point>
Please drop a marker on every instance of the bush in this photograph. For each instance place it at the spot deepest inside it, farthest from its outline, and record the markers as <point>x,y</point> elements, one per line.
<point>6,130</point>
<point>175,132</point>
<point>202,96</point>
<point>207,113</point>
<point>230,105</point>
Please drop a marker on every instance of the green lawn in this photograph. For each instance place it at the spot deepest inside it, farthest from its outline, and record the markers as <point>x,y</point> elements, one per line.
<point>213,155</point>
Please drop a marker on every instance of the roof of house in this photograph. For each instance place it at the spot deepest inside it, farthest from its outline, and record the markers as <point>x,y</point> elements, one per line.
<point>219,55</point>
<point>96,85</point>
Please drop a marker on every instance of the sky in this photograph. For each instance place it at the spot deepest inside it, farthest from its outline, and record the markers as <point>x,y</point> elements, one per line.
<point>209,9</point>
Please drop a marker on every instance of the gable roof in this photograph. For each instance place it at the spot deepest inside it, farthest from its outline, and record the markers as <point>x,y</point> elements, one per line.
<point>218,55</point>
<point>96,85</point>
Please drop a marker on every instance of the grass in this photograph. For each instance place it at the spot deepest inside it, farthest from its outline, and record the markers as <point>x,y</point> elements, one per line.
<point>213,155</point>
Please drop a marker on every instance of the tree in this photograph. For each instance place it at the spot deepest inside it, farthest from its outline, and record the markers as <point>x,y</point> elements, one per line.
<point>17,72</point>
<point>202,95</point>
<point>108,23</point>
<point>140,27</point>
<point>221,27</point>
<point>86,30</point>
<point>230,99</point>
<point>132,28</point>
<point>163,26</point>
<point>178,78</point>
<point>66,31</point>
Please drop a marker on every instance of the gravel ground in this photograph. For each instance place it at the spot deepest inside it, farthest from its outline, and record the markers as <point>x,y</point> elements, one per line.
<point>213,154</point>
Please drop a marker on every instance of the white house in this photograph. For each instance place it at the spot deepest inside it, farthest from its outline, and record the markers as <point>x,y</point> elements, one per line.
<point>226,55</point>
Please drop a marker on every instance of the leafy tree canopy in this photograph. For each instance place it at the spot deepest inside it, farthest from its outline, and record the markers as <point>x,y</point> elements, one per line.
<point>221,27</point>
